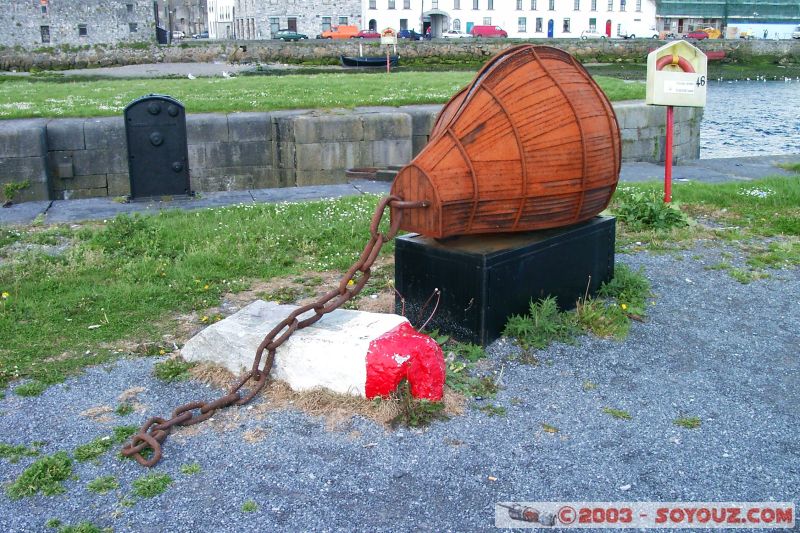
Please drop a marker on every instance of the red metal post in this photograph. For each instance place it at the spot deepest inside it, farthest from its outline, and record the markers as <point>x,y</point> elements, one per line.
<point>387,60</point>
<point>668,157</point>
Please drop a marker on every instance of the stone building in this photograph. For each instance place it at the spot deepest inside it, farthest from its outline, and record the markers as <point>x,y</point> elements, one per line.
<point>190,16</point>
<point>519,18</point>
<point>260,19</point>
<point>42,23</point>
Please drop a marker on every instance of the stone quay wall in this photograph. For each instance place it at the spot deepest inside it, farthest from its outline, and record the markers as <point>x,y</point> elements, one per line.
<point>81,158</point>
<point>328,52</point>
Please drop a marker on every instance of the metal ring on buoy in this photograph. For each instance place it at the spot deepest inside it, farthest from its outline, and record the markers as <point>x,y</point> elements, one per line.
<point>674,59</point>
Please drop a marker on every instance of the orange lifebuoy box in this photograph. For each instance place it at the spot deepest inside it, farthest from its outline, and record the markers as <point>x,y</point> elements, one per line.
<point>676,76</point>
<point>389,36</point>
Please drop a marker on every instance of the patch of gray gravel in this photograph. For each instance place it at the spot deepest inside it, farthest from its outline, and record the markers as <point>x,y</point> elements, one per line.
<point>710,347</point>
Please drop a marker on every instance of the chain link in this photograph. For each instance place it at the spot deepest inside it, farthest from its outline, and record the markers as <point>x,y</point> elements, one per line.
<point>154,432</point>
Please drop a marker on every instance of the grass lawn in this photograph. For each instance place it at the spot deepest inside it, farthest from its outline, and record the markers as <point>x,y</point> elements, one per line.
<point>124,282</point>
<point>49,96</point>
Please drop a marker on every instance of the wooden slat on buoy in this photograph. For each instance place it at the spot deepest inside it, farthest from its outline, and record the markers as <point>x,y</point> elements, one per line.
<point>531,143</point>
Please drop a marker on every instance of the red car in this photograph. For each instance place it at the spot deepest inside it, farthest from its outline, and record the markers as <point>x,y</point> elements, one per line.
<point>368,34</point>
<point>698,35</point>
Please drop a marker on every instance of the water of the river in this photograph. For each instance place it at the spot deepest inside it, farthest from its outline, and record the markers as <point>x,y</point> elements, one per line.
<point>751,118</point>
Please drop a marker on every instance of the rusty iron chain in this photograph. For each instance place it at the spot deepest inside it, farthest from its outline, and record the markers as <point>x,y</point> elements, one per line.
<point>155,430</point>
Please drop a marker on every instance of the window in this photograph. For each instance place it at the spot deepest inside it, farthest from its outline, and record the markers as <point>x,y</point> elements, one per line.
<point>391,4</point>
<point>577,5</point>
<point>519,5</point>
<point>474,4</point>
<point>274,25</point>
<point>487,21</point>
<point>129,7</point>
<point>403,24</point>
<point>566,25</point>
<point>434,4</point>
<point>538,24</point>
<point>552,5</point>
<point>343,21</point>
<point>44,9</point>
<point>457,24</point>
<point>82,31</point>
<point>326,23</point>
<point>622,5</point>
<point>133,27</point>
<point>45,33</point>
<point>522,24</point>
<point>611,5</point>
<point>406,4</point>
<point>456,4</point>
<point>533,5</point>
<point>372,4</point>
<point>490,4</point>
<point>639,6</point>
<point>594,5</point>
<point>592,24</point>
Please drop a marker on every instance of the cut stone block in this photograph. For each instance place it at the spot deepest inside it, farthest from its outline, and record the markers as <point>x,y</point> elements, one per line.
<point>349,352</point>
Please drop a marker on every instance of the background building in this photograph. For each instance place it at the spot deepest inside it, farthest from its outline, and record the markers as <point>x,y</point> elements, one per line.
<point>520,18</point>
<point>33,23</point>
<point>774,19</point>
<point>261,19</point>
<point>220,19</point>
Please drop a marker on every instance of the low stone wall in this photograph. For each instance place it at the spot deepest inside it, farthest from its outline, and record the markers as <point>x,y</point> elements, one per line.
<point>318,51</point>
<point>79,158</point>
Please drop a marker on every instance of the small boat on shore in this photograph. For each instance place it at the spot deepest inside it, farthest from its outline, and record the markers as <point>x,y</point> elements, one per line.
<point>368,61</point>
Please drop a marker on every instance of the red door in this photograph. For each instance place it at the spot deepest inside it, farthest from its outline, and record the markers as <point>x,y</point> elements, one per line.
<point>608,28</point>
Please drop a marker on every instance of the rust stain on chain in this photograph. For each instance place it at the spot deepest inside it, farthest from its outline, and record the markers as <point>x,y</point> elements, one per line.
<point>154,432</point>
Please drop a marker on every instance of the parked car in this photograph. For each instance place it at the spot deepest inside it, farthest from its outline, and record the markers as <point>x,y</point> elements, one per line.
<point>177,34</point>
<point>368,34</point>
<point>592,34</point>
<point>340,32</point>
<point>488,31</point>
<point>289,35</point>
<point>455,34</point>
<point>201,35</point>
<point>409,34</point>
<point>796,33</point>
<point>697,35</point>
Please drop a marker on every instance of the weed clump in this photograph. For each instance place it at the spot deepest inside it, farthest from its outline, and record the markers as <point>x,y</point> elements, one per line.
<point>172,370</point>
<point>544,324</point>
<point>646,210</point>
<point>151,485</point>
<point>93,450</point>
<point>16,452</point>
<point>413,412</point>
<point>619,414</point>
<point>688,422</point>
<point>46,475</point>
<point>103,484</point>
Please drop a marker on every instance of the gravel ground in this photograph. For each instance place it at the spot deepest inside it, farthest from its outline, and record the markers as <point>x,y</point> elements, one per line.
<point>711,347</point>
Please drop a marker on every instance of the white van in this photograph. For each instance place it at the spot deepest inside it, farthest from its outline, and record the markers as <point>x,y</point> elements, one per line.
<point>635,29</point>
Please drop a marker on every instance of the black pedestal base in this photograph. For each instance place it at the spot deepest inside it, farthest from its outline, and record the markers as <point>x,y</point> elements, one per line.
<point>484,279</point>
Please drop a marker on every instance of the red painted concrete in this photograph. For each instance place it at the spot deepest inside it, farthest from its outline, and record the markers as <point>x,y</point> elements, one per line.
<point>405,353</point>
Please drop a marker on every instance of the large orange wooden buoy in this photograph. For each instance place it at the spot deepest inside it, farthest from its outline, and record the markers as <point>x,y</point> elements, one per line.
<point>531,143</point>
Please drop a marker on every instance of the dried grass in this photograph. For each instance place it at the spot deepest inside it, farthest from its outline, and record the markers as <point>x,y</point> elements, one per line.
<point>101,414</point>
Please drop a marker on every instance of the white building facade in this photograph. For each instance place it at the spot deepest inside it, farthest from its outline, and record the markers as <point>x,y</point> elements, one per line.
<point>220,19</point>
<point>523,19</point>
